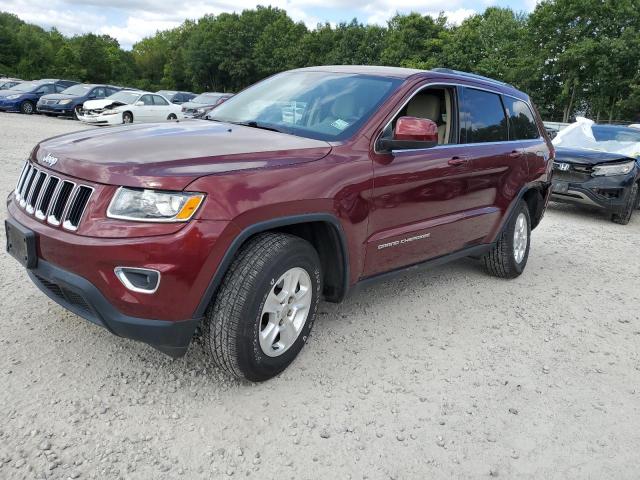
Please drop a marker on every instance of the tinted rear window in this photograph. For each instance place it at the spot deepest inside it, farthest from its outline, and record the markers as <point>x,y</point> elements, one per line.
<point>482,117</point>
<point>522,125</point>
<point>604,133</point>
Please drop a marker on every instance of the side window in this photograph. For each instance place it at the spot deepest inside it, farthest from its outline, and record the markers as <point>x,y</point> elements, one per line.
<point>522,125</point>
<point>146,99</point>
<point>55,89</point>
<point>158,100</point>
<point>433,103</point>
<point>482,117</point>
<point>98,92</point>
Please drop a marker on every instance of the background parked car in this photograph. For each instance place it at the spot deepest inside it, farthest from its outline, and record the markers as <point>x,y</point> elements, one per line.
<point>24,96</point>
<point>69,101</point>
<point>598,165</point>
<point>6,82</point>
<point>128,106</point>
<point>177,97</point>
<point>199,106</point>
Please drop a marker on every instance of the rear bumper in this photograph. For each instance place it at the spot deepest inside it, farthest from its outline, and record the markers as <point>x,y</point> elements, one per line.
<point>607,193</point>
<point>82,298</point>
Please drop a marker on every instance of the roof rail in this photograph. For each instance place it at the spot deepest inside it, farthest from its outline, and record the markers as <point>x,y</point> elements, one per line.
<point>470,75</point>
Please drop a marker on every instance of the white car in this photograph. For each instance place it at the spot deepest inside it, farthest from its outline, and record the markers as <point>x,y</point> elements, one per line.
<point>128,106</point>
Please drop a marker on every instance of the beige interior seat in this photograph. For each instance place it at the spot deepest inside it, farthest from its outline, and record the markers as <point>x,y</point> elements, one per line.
<point>428,106</point>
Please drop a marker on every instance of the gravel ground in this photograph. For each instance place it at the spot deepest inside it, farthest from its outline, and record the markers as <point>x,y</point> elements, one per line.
<point>445,373</point>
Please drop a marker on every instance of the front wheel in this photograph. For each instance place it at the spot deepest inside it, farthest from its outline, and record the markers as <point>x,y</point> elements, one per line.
<point>127,117</point>
<point>77,112</point>
<point>172,116</point>
<point>624,217</point>
<point>26,107</point>
<point>510,253</point>
<point>265,307</point>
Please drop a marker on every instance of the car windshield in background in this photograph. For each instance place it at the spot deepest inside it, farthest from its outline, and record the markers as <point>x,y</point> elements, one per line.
<point>206,98</point>
<point>604,133</point>
<point>25,87</point>
<point>319,105</point>
<point>77,90</point>
<point>124,97</point>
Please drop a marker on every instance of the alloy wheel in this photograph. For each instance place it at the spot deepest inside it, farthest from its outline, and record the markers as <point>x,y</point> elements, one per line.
<point>520,237</point>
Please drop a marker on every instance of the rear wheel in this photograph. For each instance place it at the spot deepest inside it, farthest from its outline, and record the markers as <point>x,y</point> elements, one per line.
<point>26,107</point>
<point>127,117</point>
<point>510,253</point>
<point>265,307</point>
<point>624,217</point>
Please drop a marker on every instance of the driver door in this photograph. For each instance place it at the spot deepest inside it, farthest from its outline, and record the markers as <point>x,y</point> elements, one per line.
<point>423,204</point>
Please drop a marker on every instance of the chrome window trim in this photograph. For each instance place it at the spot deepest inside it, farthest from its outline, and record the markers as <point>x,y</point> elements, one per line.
<point>452,84</point>
<point>65,224</point>
<point>118,271</point>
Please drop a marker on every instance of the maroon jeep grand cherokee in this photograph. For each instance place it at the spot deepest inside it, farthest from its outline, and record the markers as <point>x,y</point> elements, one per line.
<point>301,187</point>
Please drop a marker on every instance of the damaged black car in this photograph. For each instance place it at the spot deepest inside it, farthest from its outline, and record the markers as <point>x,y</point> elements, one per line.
<point>593,176</point>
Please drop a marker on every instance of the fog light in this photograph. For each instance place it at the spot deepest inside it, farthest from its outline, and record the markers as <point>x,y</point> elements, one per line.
<point>141,280</point>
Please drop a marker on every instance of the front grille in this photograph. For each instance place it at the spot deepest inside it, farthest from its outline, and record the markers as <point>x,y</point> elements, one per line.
<point>51,199</point>
<point>575,174</point>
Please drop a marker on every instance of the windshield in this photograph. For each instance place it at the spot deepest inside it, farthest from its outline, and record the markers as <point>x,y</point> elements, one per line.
<point>604,133</point>
<point>124,97</point>
<point>320,105</point>
<point>77,90</point>
<point>206,98</point>
<point>25,87</point>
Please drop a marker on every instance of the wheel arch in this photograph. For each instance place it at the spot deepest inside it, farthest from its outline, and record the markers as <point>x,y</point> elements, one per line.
<point>323,230</point>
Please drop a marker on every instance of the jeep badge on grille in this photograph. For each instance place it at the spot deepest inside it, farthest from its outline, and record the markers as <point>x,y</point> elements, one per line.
<point>50,160</point>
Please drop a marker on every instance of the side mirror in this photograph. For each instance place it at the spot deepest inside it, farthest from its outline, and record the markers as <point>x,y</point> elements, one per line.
<point>411,133</point>
<point>139,103</point>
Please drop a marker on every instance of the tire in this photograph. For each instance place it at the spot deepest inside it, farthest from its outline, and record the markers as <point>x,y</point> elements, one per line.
<point>238,316</point>
<point>76,112</point>
<point>505,260</point>
<point>624,217</point>
<point>172,116</point>
<point>127,117</point>
<point>26,107</point>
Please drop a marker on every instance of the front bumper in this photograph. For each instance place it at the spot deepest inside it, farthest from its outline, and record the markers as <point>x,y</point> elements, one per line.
<point>608,193</point>
<point>55,109</point>
<point>82,298</point>
<point>102,119</point>
<point>10,105</point>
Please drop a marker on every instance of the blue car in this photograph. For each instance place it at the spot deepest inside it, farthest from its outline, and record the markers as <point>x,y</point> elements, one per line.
<point>24,96</point>
<point>69,102</point>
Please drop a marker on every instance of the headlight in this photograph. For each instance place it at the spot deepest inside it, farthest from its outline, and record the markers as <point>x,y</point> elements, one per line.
<point>13,97</point>
<point>615,169</point>
<point>153,205</point>
<point>64,102</point>
<point>200,110</point>
<point>110,112</point>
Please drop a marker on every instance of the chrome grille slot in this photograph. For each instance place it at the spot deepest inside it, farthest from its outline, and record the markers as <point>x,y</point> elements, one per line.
<point>78,204</point>
<point>60,203</point>
<point>45,200</point>
<point>26,189</point>
<point>21,179</point>
<point>32,201</point>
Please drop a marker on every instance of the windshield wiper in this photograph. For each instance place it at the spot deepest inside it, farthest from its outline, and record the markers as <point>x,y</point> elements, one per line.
<point>254,124</point>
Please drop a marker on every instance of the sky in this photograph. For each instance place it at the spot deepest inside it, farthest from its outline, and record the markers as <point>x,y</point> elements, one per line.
<point>133,20</point>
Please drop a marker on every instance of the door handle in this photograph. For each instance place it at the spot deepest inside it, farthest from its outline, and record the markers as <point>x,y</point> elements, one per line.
<point>457,161</point>
<point>515,154</point>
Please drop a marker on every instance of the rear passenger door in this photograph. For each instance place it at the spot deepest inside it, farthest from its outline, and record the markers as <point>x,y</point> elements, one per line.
<point>498,166</point>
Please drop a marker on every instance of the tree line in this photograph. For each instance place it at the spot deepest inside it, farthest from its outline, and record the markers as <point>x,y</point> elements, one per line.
<point>571,56</point>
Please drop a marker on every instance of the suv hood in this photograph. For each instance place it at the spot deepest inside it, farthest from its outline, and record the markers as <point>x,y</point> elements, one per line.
<point>583,156</point>
<point>171,155</point>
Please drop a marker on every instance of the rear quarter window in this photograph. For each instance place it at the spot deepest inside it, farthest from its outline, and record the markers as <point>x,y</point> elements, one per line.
<point>482,117</point>
<point>522,125</point>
